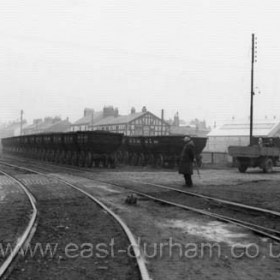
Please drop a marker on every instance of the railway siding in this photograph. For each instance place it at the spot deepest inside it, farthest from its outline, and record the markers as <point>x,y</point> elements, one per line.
<point>155,223</point>
<point>15,215</point>
<point>75,239</point>
<point>173,240</point>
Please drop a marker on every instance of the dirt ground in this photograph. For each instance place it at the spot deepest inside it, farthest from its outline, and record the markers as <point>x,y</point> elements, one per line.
<point>15,212</point>
<point>183,245</point>
<point>179,244</point>
<point>73,238</point>
<point>254,187</point>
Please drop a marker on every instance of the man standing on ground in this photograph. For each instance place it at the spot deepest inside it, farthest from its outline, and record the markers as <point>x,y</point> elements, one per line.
<point>186,161</point>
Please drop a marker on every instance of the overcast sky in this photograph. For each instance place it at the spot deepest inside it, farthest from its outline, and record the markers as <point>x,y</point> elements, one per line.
<point>192,56</point>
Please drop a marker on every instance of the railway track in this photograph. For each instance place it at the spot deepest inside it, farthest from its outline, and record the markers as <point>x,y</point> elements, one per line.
<point>27,234</point>
<point>141,267</point>
<point>248,213</point>
<point>257,228</point>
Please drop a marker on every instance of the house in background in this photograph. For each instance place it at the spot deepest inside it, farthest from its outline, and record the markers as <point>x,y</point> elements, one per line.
<point>12,129</point>
<point>90,117</point>
<point>134,124</point>
<point>47,125</point>
<point>60,126</point>
<point>237,133</point>
<point>194,128</point>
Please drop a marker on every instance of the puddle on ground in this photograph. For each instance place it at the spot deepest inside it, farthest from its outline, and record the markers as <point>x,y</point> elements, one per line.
<point>102,187</point>
<point>214,231</point>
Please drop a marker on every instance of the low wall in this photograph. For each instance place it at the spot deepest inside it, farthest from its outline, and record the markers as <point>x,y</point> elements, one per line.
<point>217,158</point>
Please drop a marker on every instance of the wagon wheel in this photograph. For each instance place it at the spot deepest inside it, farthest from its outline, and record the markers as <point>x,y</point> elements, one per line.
<point>112,161</point>
<point>151,160</point>
<point>34,153</point>
<point>141,159</point>
<point>88,160</point>
<point>172,162</point>
<point>105,162</point>
<point>125,156</point>
<point>43,155</point>
<point>48,155</point>
<point>57,156</point>
<point>74,158</point>
<point>61,157</point>
<point>40,152</point>
<point>52,156</point>
<point>268,166</point>
<point>134,159</point>
<point>159,161</point>
<point>81,159</point>
<point>119,157</point>
<point>97,162</point>
<point>31,153</point>
<point>68,157</point>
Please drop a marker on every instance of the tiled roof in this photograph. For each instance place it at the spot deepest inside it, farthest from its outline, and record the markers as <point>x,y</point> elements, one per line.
<point>119,120</point>
<point>37,126</point>
<point>97,116</point>
<point>31,126</point>
<point>61,126</point>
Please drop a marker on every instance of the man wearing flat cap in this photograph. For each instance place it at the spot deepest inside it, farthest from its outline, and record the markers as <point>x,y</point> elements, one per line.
<point>186,161</point>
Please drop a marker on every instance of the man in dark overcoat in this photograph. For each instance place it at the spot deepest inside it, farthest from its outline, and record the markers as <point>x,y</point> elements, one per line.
<point>186,161</point>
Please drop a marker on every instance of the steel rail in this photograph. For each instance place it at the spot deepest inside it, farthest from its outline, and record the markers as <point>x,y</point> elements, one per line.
<point>253,227</point>
<point>231,203</point>
<point>241,205</point>
<point>137,251</point>
<point>26,237</point>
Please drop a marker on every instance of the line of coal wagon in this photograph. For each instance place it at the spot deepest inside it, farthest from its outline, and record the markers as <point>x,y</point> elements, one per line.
<point>101,148</point>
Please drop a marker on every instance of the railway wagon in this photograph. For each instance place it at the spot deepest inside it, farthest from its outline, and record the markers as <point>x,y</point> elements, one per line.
<point>10,145</point>
<point>98,147</point>
<point>81,148</point>
<point>14,145</point>
<point>158,151</point>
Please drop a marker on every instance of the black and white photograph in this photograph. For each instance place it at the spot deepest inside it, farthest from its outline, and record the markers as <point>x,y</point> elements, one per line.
<point>139,140</point>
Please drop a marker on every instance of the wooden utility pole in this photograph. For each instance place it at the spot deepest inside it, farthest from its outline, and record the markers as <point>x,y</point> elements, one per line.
<point>252,89</point>
<point>21,120</point>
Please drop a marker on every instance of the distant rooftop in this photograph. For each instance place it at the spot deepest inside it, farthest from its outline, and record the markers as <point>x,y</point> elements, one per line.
<point>236,128</point>
<point>119,120</point>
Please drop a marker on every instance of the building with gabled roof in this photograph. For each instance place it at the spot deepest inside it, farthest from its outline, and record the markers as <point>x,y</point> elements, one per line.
<point>60,126</point>
<point>134,124</point>
<point>49,124</point>
<point>238,133</point>
<point>90,117</point>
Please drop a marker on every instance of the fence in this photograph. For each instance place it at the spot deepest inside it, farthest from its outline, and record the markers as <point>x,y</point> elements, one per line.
<point>217,158</point>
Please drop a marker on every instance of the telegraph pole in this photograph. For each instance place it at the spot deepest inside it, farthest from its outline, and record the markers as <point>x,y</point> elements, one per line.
<point>252,89</point>
<point>21,120</point>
